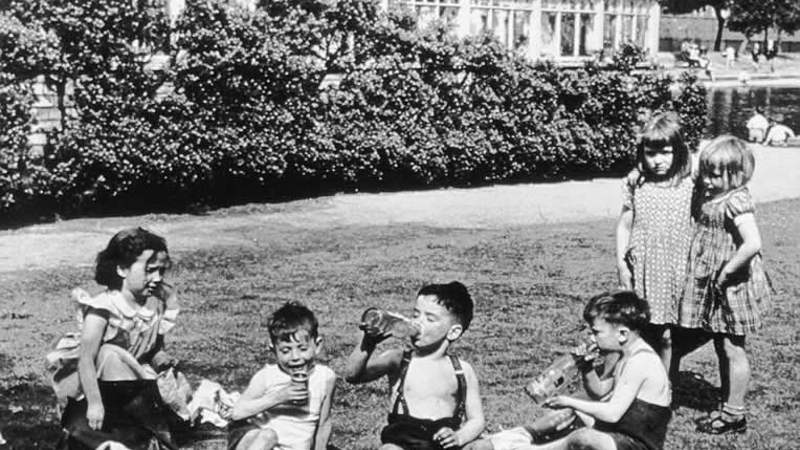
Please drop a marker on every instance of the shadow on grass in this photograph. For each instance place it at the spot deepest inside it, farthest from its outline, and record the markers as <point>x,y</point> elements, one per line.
<point>28,415</point>
<point>694,391</point>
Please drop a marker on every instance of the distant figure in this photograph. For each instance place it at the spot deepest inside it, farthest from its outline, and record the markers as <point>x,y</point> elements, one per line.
<point>705,62</point>
<point>778,133</point>
<point>744,78</point>
<point>757,126</point>
<point>755,52</point>
<point>770,53</point>
<point>730,56</point>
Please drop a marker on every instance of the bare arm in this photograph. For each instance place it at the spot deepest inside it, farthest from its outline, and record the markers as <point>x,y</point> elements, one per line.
<point>599,382</point>
<point>255,399</point>
<point>362,368</point>
<point>473,426</point>
<point>474,423</point>
<point>94,327</point>
<point>750,246</point>
<point>323,432</point>
<point>626,388</point>
<point>624,227</point>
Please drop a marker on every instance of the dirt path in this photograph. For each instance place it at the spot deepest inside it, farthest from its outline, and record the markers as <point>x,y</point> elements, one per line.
<point>74,242</point>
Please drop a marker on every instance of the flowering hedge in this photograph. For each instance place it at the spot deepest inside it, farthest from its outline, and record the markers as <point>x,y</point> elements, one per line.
<point>248,115</point>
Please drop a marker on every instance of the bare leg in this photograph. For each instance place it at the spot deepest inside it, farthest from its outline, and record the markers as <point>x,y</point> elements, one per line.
<point>265,439</point>
<point>390,447</point>
<point>480,444</point>
<point>665,350</point>
<point>584,439</point>
<point>724,368</point>
<point>738,370</point>
<point>117,365</point>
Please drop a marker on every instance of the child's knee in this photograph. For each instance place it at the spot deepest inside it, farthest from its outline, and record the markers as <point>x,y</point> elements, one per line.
<point>581,439</point>
<point>734,348</point>
<point>666,337</point>
<point>264,439</point>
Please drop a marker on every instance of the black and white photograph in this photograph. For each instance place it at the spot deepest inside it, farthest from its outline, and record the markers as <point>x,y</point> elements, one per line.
<point>399,224</point>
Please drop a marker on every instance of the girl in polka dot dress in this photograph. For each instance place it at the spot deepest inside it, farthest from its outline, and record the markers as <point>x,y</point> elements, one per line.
<point>655,227</point>
<point>727,289</point>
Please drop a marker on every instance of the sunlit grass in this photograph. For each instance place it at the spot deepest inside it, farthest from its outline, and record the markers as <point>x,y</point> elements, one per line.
<point>529,285</point>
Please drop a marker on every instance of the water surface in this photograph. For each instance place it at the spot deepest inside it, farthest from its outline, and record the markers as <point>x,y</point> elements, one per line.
<point>730,108</point>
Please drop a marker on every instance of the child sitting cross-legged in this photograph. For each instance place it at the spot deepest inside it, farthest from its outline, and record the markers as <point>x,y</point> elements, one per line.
<point>435,396</point>
<point>636,414</point>
<point>287,405</point>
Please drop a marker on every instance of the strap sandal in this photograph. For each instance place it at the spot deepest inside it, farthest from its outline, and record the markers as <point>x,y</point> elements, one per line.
<point>722,425</point>
<point>713,415</point>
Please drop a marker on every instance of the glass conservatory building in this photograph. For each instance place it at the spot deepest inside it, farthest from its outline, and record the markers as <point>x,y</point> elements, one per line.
<point>549,29</point>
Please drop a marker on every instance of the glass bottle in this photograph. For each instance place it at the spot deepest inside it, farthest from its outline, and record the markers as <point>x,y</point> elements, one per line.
<point>378,321</point>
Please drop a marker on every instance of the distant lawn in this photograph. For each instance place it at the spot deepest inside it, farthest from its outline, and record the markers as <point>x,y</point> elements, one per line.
<point>530,285</point>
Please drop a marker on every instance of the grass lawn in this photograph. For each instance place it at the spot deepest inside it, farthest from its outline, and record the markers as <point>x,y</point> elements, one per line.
<point>529,283</point>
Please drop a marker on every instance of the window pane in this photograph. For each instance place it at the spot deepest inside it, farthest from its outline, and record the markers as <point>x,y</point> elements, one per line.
<point>610,32</point>
<point>567,34</point>
<point>548,33</point>
<point>627,29</point>
<point>586,32</point>
<point>641,30</point>
<point>522,20</point>
<point>500,26</point>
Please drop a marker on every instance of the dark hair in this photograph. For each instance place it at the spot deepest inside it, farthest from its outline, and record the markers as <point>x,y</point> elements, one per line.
<point>664,129</point>
<point>289,319</point>
<point>454,297</point>
<point>619,308</point>
<point>122,251</point>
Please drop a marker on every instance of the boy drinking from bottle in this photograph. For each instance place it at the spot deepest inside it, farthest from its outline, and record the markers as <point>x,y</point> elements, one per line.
<point>287,405</point>
<point>435,396</point>
<point>636,414</point>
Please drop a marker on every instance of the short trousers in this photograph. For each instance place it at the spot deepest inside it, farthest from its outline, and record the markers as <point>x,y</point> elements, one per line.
<point>411,433</point>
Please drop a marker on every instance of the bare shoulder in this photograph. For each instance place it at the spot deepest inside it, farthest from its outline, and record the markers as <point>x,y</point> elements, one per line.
<point>469,371</point>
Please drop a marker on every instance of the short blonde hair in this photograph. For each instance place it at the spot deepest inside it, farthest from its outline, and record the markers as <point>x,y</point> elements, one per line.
<point>732,156</point>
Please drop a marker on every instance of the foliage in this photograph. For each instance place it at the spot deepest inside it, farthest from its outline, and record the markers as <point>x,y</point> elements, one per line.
<point>246,111</point>
<point>755,16</point>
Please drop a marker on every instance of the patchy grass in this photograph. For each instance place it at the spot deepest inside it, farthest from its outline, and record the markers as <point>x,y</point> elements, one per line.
<point>529,285</point>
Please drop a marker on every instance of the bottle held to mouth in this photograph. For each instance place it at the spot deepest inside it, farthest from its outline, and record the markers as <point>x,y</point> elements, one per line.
<point>300,380</point>
<point>377,321</point>
<point>558,375</point>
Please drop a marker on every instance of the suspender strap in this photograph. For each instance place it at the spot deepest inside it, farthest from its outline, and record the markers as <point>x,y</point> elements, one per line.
<point>400,399</point>
<point>461,391</point>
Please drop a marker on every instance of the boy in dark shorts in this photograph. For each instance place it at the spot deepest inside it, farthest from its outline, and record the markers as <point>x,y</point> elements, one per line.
<point>635,416</point>
<point>435,396</point>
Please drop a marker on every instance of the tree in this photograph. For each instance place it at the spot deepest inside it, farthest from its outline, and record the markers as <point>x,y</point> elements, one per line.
<point>756,16</point>
<point>685,6</point>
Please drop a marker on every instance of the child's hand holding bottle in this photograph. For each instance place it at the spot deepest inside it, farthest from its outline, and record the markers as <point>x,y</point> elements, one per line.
<point>587,356</point>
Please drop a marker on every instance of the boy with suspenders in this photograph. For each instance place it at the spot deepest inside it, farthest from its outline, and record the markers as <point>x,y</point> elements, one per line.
<point>435,396</point>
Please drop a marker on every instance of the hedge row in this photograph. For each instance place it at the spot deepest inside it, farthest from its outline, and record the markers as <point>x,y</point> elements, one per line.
<point>246,117</point>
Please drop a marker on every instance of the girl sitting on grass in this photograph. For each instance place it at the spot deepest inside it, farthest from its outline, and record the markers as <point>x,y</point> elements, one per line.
<point>727,290</point>
<point>107,375</point>
<point>655,227</point>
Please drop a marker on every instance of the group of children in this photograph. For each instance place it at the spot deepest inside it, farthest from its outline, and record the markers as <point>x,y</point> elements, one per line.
<point>767,131</point>
<point>688,257</point>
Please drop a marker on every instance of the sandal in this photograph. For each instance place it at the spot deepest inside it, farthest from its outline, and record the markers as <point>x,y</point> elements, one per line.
<point>710,417</point>
<point>721,425</point>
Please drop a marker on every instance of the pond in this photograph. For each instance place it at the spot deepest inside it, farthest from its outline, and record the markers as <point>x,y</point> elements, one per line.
<point>730,108</point>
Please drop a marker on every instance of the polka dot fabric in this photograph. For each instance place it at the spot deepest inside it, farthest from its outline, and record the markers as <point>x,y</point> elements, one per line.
<point>659,243</point>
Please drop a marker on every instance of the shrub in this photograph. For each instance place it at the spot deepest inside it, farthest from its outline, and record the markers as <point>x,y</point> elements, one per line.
<point>246,118</point>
